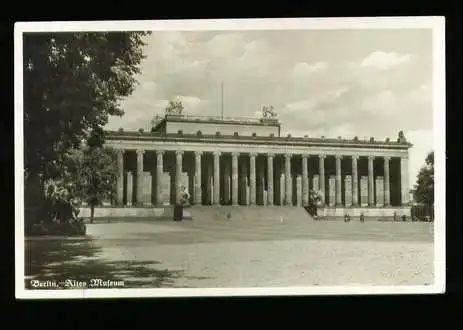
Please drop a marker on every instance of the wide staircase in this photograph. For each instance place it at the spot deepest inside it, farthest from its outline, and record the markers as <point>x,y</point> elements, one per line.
<point>256,214</point>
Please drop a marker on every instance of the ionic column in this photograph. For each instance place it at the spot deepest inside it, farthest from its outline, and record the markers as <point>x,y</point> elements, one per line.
<point>235,178</point>
<point>305,181</point>
<point>288,190</point>
<point>217,177</point>
<point>252,178</point>
<point>404,180</point>
<point>140,176</point>
<point>338,180</point>
<point>321,182</point>
<point>159,173</point>
<point>371,191</point>
<point>355,184</point>
<point>178,177</point>
<point>120,178</point>
<point>387,191</point>
<point>198,192</point>
<point>270,179</point>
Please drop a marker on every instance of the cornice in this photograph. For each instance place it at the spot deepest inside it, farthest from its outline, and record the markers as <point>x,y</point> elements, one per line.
<point>255,140</point>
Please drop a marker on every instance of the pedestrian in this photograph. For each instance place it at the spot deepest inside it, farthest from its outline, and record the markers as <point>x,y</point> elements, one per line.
<point>362,218</point>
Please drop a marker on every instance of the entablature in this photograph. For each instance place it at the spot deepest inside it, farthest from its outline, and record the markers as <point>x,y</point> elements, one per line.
<point>246,148</point>
<point>257,140</point>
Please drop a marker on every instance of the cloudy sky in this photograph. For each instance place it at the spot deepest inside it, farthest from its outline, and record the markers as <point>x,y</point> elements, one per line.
<point>327,82</point>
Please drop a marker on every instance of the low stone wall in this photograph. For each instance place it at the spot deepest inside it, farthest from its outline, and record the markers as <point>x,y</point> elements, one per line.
<point>153,212</point>
<point>367,211</point>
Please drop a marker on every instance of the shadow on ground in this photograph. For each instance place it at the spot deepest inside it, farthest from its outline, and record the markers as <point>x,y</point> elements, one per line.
<point>69,259</point>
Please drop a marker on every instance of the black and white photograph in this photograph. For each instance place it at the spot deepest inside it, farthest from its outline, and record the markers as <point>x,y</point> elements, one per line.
<point>230,157</point>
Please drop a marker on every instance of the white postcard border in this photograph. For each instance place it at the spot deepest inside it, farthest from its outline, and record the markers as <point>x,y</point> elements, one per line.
<point>437,24</point>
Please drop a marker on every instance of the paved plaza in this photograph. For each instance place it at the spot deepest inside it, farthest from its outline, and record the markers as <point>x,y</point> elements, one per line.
<point>239,252</point>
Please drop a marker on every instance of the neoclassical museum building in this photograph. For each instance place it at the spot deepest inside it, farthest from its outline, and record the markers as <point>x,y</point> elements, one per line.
<point>246,161</point>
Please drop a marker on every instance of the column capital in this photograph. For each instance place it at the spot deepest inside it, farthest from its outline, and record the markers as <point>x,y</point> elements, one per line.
<point>370,157</point>
<point>253,154</point>
<point>179,152</point>
<point>120,151</point>
<point>305,156</point>
<point>288,155</point>
<point>338,156</point>
<point>235,154</point>
<point>270,155</point>
<point>322,156</point>
<point>355,156</point>
<point>159,152</point>
<point>216,153</point>
<point>387,158</point>
<point>198,153</point>
<point>140,151</point>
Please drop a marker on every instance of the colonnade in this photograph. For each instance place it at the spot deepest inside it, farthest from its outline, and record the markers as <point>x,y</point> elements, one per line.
<point>250,178</point>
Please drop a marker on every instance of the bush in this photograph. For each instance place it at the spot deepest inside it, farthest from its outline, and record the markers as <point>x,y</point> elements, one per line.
<point>75,227</point>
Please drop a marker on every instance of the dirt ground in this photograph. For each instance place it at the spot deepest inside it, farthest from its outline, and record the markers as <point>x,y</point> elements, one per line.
<point>211,254</point>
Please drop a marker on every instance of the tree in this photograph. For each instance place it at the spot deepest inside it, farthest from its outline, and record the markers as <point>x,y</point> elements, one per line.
<point>424,187</point>
<point>174,108</point>
<point>97,178</point>
<point>156,119</point>
<point>73,82</point>
<point>96,138</point>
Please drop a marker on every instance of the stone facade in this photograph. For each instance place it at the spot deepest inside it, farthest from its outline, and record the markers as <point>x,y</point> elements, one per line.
<point>262,169</point>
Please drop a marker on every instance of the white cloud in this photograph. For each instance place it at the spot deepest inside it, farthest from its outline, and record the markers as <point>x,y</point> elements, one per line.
<point>302,105</point>
<point>225,45</point>
<point>422,95</point>
<point>189,102</point>
<point>383,104</point>
<point>304,69</point>
<point>384,60</point>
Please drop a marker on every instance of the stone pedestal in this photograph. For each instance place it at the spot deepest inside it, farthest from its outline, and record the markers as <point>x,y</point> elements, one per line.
<point>364,191</point>
<point>348,191</point>
<point>129,191</point>
<point>379,190</point>
<point>146,189</point>
<point>332,190</point>
<point>299,190</point>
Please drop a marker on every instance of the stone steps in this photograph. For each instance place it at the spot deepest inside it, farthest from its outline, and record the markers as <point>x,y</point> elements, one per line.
<point>255,214</point>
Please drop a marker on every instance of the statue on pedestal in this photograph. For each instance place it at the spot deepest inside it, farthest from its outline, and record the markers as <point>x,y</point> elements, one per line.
<point>174,108</point>
<point>401,138</point>
<point>268,112</point>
